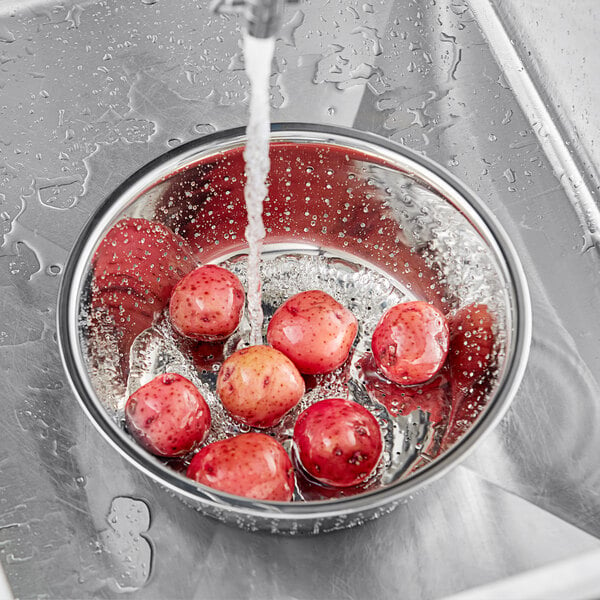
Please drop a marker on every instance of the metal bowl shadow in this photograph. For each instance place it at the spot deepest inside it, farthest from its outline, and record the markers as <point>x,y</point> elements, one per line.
<point>336,193</point>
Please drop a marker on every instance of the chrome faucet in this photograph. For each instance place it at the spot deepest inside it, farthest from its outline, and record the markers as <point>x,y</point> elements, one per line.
<point>262,17</point>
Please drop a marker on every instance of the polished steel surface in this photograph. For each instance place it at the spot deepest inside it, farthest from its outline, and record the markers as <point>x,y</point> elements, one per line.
<point>93,90</point>
<point>482,255</point>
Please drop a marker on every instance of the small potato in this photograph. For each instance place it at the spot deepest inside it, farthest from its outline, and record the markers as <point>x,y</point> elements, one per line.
<point>207,304</point>
<point>253,465</point>
<point>314,331</point>
<point>168,416</point>
<point>337,442</point>
<point>259,385</point>
<point>410,342</point>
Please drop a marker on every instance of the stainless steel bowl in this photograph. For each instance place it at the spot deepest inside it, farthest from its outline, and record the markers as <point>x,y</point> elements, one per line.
<point>353,199</point>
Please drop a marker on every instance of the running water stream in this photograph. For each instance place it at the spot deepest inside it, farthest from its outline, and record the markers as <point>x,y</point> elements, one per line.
<point>258,54</point>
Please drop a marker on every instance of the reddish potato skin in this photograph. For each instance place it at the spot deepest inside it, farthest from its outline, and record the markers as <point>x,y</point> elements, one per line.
<point>253,465</point>
<point>314,331</point>
<point>410,342</point>
<point>259,385</point>
<point>337,442</point>
<point>168,416</point>
<point>470,359</point>
<point>207,304</point>
<point>471,348</point>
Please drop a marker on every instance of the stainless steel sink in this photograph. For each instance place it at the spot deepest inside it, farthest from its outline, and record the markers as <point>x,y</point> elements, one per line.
<point>91,91</point>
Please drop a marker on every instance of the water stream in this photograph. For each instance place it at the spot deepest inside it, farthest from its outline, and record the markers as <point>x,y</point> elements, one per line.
<point>258,54</point>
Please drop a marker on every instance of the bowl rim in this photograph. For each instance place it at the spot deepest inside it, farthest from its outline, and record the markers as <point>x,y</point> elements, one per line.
<point>198,149</point>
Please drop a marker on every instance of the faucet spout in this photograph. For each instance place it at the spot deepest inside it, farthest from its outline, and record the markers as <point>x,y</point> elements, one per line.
<point>262,17</point>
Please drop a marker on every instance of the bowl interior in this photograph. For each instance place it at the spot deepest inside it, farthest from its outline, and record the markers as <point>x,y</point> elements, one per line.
<point>364,220</point>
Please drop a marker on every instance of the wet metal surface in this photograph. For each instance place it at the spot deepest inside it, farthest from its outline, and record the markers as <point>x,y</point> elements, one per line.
<point>91,91</point>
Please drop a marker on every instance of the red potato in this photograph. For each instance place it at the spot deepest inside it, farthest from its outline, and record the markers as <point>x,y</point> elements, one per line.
<point>207,304</point>
<point>259,385</point>
<point>337,442</point>
<point>410,342</point>
<point>314,331</point>
<point>168,416</point>
<point>253,465</point>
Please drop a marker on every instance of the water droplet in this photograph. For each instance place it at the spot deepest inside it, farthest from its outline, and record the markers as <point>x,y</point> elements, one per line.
<point>507,117</point>
<point>371,35</point>
<point>22,263</point>
<point>510,176</point>
<point>128,551</point>
<point>6,36</point>
<point>60,192</point>
<point>53,270</point>
<point>204,128</point>
<point>445,37</point>
<point>174,142</point>
<point>73,17</point>
<point>287,33</point>
<point>501,81</point>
